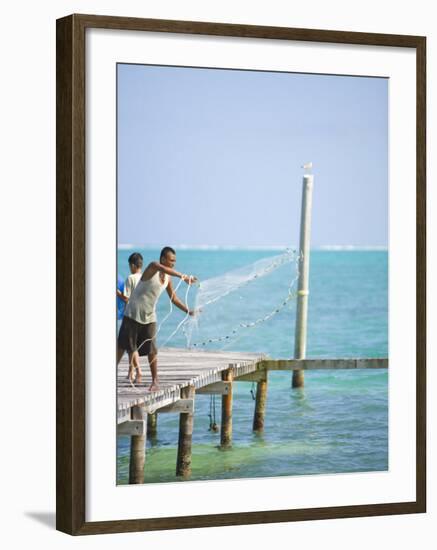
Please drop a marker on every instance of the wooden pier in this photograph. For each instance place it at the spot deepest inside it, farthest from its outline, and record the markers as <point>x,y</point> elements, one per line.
<point>183,374</point>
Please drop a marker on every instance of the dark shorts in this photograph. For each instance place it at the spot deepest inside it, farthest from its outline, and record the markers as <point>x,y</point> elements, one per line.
<point>135,336</point>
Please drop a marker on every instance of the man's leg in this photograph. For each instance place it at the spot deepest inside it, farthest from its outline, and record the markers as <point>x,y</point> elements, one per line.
<point>121,341</point>
<point>134,364</point>
<point>153,363</point>
<point>120,353</point>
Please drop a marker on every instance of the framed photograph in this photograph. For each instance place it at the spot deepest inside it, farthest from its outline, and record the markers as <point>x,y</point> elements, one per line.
<point>241,279</point>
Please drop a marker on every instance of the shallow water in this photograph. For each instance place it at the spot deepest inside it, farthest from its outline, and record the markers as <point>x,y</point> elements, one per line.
<point>337,423</point>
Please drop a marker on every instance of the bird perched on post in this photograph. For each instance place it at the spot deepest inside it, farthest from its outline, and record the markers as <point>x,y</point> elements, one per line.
<point>308,167</point>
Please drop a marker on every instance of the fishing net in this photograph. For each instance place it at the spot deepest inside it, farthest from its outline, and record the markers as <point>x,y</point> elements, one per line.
<point>240,299</point>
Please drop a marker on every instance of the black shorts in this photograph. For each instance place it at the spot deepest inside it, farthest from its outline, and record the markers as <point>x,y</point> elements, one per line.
<point>135,336</point>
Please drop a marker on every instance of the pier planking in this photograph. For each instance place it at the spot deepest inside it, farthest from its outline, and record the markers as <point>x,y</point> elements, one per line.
<point>179,368</point>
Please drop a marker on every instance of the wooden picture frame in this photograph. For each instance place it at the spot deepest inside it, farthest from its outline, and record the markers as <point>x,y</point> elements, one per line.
<point>71,276</point>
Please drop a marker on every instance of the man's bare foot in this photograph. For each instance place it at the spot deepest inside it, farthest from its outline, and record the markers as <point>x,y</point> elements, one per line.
<point>154,386</point>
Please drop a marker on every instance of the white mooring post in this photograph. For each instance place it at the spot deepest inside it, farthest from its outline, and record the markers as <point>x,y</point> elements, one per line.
<point>300,340</point>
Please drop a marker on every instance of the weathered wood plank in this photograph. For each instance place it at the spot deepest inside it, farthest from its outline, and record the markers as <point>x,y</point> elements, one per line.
<point>315,364</point>
<point>123,415</point>
<point>216,388</point>
<point>181,406</point>
<point>372,363</point>
<point>132,427</point>
<point>255,376</point>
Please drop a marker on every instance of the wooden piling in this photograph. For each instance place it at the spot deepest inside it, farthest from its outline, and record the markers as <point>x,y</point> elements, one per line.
<point>152,424</point>
<point>260,405</point>
<point>302,293</point>
<point>137,450</point>
<point>226,426</point>
<point>298,380</point>
<point>183,463</point>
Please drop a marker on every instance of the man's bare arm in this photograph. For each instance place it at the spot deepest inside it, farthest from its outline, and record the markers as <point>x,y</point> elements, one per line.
<point>122,296</point>
<point>153,267</point>
<point>175,300</point>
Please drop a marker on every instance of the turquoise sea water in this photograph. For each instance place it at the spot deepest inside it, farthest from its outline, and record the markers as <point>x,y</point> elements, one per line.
<point>338,422</point>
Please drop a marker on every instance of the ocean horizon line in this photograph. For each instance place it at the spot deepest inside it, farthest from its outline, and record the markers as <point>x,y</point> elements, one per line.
<point>333,247</point>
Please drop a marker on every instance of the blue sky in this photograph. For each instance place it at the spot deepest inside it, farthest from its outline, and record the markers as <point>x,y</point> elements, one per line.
<point>213,157</point>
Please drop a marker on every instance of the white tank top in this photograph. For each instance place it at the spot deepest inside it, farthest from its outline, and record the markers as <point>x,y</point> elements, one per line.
<point>142,303</point>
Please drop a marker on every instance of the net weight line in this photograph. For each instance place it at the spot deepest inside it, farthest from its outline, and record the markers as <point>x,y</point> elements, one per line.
<point>234,333</point>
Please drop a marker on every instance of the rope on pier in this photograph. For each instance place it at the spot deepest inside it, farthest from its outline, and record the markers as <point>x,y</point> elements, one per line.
<point>212,419</point>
